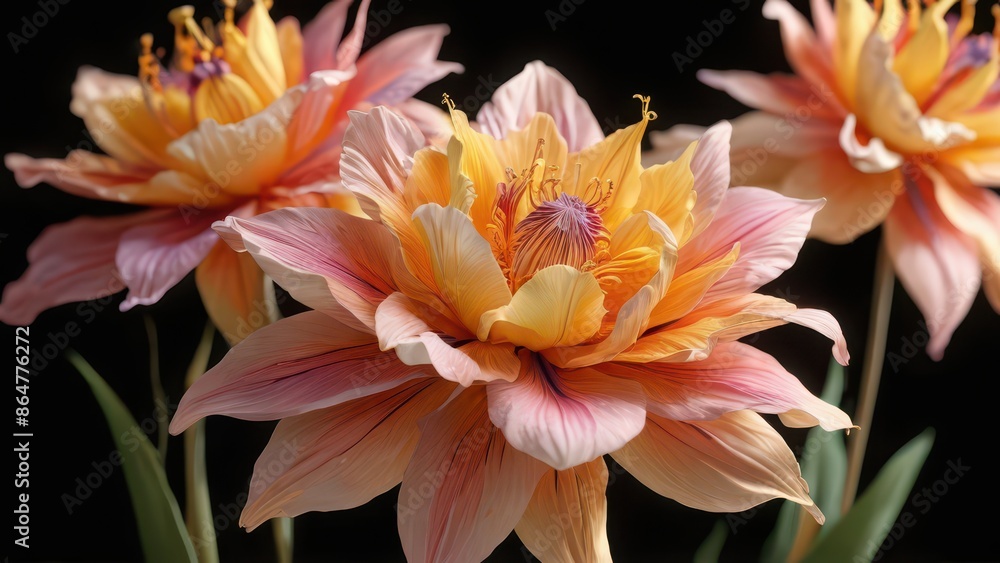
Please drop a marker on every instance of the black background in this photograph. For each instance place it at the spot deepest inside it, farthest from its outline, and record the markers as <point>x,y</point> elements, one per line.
<point>609,50</point>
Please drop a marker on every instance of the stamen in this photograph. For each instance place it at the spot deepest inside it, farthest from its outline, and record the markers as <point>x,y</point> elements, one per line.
<point>183,19</point>
<point>149,66</point>
<point>965,22</point>
<point>646,114</point>
<point>446,100</point>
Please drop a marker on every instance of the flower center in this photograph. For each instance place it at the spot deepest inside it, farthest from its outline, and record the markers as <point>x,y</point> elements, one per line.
<point>562,231</point>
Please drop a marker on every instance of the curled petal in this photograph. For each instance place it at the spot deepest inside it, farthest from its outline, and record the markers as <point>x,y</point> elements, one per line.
<point>872,158</point>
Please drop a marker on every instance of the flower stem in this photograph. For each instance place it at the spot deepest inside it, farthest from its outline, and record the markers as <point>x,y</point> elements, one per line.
<point>871,374</point>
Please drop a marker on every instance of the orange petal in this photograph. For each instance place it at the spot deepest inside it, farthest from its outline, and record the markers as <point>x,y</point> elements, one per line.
<point>573,501</point>
<point>237,295</point>
<point>920,62</point>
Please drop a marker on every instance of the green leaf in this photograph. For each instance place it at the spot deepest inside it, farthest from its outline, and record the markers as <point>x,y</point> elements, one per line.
<point>161,528</point>
<point>711,548</point>
<point>861,531</point>
<point>824,466</point>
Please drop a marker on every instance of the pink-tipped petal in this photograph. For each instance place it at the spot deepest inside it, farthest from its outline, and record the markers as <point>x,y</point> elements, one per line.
<point>805,54</point>
<point>936,263</point>
<point>321,36</point>
<point>735,377</point>
<point>305,362</point>
<point>729,464</point>
<point>566,418</point>
<point>154,256</point>
<point>465,488</point>
<point>710,166</point>
<point>770,229</point>
<point>400,66</point>
<point>73,261</point>
<point>566,520</point>
<point>778,94</point>
<point>325,258</point>
<point>342,456</point>
<point>539,89</point>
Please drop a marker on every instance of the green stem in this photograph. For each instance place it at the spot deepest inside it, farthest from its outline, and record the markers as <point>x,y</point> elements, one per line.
<point>878,331</point>
<point>159,396</point>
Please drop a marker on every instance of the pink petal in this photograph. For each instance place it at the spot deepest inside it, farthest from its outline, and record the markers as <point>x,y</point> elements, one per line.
<point>154,256</point>
<point>299,364</point>
<point>465,487</point>
<point>729,464</point>
<point>770,229</point>
<point>342,456</point>
<point>774,93</point>
<point>539,89</point>
<point>399,327</point>
<point>566,418</point>
<point>72,261</point>
<point>936,263</point>
<point>734,377</point>
<point>574,501</point>
<point>805,54</point>
<point>399,67</point>
<point>321,36</point>
<point>710,166</point>
<point>325,258</point>
<point>350,48</point>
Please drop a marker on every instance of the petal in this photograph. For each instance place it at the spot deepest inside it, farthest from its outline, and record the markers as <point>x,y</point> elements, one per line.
<point>710,166</point>
<point>694,336</point>
<point>573,500</point>
<point>640,231</point>
<point>326,258</point>
<point>729,464</point>
<point>465,270</point>
<point>872,158</point>
<point>807,57</point>
<point>688,289</point>
<point>321,36</point>
<point>72,261</point>
<point>154,256</point>
<point>237,295</point>
<point>936,263</point>
<point>735,377</point>
<point>855,20</point>
<point>342,456</point>
<point>558,306</point>
<point>303,363</point>
<point>256,57</point>
<point>465,488</point>
<point>399,67</point>
<point>480,163</point>
<point>117,117</point>
<point>920,61</point>
<point>668,191</point>
<point>539,89</point>
<point>855,202</point>
<point>770,229</point>
<point>399,327</point>
<point>290,43</point>
<point>566,418</point>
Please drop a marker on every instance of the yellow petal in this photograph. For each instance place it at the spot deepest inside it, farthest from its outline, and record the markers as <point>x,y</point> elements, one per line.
<point>429,180</point>
<point>480,164</point>
<point>687,289</point>
<point>465,270</point>
<point>257,56</point>
<point>855,19</point>
<point>968,93</point>
<point>892,19</point>
<point>558,306</point>
<point>237,296</point>
<point>920,62</point>
<point>226,98</point>
<point>668,191</point>
<point>290,44</point>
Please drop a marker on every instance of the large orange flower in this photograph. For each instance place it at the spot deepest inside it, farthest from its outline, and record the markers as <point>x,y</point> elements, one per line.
<point>246,118</point>
<point>514,308</point>
<point>893,116</point>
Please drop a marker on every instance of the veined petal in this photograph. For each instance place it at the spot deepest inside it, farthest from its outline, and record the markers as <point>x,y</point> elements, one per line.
<point>400,327</point>
<point>153,257</point>
<point>565,418</point>
<point>256,56</point>
<point>710,166</point>
<point>574,500</point>
<point>540,89</point>
<point>734,377</point>
<point>479,163</point>
<point>688,289</point>
<point>72,261</point>
<point>558,306</point>
<point>237,295</point>
<point>936,263</point>
<point>342,456</point>
<point>668,191</point>
<point>729,464</point>
<point>465,488</point>
<point>359,264</point>
<point>465,270</point>
<point>303,363</point>
<point>770,229</point>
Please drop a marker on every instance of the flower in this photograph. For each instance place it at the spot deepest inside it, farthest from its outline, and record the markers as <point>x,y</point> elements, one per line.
<point>512,309</point>
<point>248,118</point>
<point>893,116</point>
